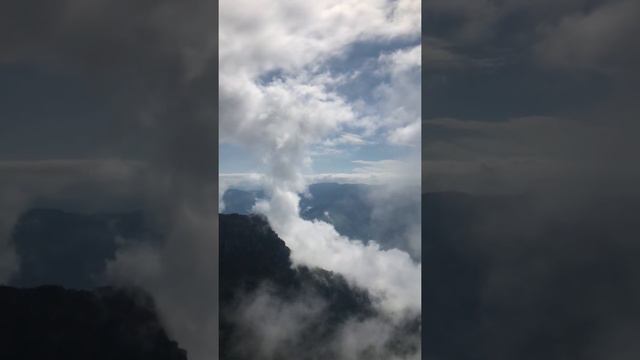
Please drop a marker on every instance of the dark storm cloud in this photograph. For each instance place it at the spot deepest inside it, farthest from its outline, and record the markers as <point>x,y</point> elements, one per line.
<point>134,82</point>
<point>150,62</point>
<point>521,277</point>
<point>600,38</point>
<point>527,49</point>
<point>568,64</point>
<point>546,272</point>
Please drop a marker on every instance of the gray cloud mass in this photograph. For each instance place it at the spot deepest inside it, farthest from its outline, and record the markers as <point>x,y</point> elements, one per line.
<point>148,140</point>
<point>530,114</point>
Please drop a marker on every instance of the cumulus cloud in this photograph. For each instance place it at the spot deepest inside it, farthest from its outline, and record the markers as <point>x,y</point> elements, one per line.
<point>346,139</point>
<point>253,42</point>
<point>391,276</point>
<point>281,103</point>
<point>398,100</point>
<point>410,134</point>
<point>321,32</point>
<point>242,181</point>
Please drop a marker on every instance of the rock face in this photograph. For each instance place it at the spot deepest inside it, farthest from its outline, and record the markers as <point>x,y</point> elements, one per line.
<point>253,258</point>
<point>51,322</point>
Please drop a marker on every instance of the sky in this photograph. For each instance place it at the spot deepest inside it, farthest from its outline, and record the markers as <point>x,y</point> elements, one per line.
<point>328,91</point>
<point>366,73</point>
<point>347,85</point>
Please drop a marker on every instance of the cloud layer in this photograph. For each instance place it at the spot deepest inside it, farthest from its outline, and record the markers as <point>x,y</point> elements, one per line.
<point>289,93</point>
<point>528,109</point>
<point>136,84</point>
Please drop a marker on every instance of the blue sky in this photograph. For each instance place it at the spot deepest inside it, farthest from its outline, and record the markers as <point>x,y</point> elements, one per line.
<point>370,74</point>
<point>328,91</point>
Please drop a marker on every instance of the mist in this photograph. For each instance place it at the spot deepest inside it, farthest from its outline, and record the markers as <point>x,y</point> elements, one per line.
<point>121,114</point>
<point>286,107</point>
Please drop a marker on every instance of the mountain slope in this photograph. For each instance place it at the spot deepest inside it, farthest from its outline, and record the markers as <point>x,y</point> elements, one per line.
<point>104,324</point>
<point>270,310</point>
<point>346,206</point>
<point>71,249</point>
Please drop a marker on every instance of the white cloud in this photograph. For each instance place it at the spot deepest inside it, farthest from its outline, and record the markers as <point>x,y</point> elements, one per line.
<point>403,60</point>
<point>391,276</point>
<point>345,139</point>
<point>292,40</point>
<point>410,135</point>
<point>260,36</point>
<point>399,99</point>
<point>278,100</point>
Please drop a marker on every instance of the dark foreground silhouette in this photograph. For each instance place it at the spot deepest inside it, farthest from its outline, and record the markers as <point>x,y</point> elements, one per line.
<point>255,268</point>
<point>51,322</point>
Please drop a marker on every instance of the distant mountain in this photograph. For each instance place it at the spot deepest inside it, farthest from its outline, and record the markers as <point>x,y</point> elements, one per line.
<point>358,211</point>
<point>104,324</point>
<point>240,201</point>
<point>252,255</point>
<point>346,206</point>
<point>71,249</point>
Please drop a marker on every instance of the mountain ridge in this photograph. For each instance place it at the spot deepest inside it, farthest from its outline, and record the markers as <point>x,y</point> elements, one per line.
<point>51,322</point>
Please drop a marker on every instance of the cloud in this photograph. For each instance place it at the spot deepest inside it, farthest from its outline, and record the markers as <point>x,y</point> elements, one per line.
<point>409,135</point>
<point>531,270</point>
<point>398,100</point>
<point>68,183</point>
<point>252,41</point>
<point>528,154</point>
<point>391,276</point>
<point>268,324</point>
<point>290,115</point>
<point>345,139</point>
<point>599,39</point>
<point>581,35</point>
<point>271,326</point>
<point>282,104</point>
<point>348,178</point>
<point>402,60</point>
<point>438,54</point>
<point>550,125</point>
<point>322,32</point>
<point>396,202</point>
<point>154,66</point>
